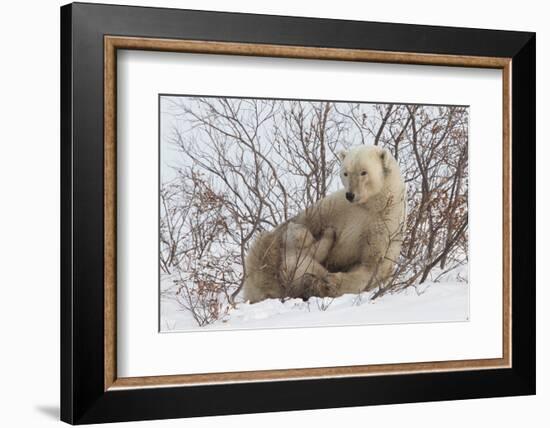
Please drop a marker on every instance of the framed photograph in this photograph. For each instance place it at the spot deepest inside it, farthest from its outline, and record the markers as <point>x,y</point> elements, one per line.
<point>266,213</point>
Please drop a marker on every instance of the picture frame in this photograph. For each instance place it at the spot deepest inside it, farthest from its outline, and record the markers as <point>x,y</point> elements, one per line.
<point>91,390</point>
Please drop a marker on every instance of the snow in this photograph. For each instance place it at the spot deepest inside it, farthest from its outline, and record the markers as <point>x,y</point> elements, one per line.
<point>427,303</point>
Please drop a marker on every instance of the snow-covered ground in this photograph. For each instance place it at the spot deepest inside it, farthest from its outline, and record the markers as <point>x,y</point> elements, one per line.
<point>429,302</point>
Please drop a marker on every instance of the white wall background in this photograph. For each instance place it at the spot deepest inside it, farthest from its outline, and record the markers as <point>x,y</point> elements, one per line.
<point>29,217</point>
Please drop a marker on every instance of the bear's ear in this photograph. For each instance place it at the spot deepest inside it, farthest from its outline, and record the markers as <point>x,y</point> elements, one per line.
<point>383,155</point>
<point>384,158</point>
<point>342,155</point>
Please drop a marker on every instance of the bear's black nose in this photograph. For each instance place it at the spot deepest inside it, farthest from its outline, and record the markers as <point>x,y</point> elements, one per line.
<point>350,196</point>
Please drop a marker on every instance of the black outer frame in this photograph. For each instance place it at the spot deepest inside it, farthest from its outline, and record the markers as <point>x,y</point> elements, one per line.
<point>83,399</point>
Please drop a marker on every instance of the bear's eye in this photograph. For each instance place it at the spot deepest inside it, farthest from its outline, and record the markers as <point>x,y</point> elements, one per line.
<point>363,172</point>
<point>345,174</point>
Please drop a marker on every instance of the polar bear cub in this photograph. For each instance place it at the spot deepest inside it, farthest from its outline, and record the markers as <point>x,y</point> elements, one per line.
<point>303,255</point>
<point>287,263</point>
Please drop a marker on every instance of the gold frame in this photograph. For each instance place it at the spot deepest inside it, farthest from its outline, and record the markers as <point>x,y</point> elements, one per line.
<point>113,43</point>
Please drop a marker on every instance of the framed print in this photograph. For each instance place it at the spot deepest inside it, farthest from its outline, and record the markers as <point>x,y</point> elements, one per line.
<point>265,213</point>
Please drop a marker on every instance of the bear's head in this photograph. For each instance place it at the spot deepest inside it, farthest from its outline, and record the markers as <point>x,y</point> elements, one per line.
<point>363,171</point>
<point>298,236</point>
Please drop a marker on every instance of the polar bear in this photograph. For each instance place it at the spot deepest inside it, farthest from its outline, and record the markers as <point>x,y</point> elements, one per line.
<point>368,216</point>
<point>302,254</point>
<point>287,263</point>
<point>368,219</point>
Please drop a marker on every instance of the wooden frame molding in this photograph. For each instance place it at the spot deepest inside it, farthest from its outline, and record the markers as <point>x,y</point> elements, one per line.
<point>113,43</point>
